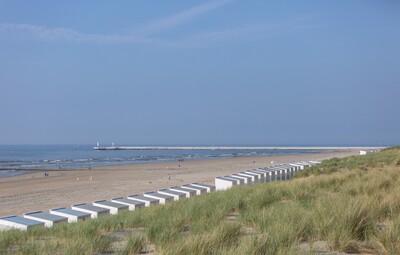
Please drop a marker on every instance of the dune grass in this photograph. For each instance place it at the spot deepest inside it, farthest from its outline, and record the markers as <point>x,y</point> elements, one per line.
<point>343,205</point>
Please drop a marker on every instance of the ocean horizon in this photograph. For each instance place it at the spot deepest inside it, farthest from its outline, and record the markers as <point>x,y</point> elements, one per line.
<point>19,159</point>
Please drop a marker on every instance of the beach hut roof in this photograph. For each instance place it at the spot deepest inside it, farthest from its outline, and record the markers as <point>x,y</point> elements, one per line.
<point>172,192</point>
<point>21,220</point>
<point>110,204</point>
<point>128,201</point>
<point>46,216</point>
<point>92,208</point>
<point>156,194</point>
<point>71,212</point>
<point>144,198</point>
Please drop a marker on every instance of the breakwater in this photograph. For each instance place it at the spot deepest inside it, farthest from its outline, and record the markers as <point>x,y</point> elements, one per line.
<point>228,148</point>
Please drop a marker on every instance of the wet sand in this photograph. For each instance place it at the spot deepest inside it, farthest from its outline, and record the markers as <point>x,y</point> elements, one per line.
<point>34,191</point>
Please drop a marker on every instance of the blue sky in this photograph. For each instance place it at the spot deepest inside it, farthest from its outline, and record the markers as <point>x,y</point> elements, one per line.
<point>224,72</point>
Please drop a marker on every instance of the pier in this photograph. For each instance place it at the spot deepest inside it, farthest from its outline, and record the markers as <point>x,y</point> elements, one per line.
<point>231,148</point>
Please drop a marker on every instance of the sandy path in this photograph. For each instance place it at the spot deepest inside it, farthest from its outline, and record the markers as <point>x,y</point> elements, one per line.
<point>33,191</point>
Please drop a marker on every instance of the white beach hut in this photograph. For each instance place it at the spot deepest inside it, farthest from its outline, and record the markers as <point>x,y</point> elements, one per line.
<point>132,204</point>
<point>114,208</point>
<point>268,175</point>
<point>302,165</point>
<point>94,211</point>
<point>188,192</point>
<point>18,222</point>
<point>239,181</point>
<point>277,173</point>
<point>177,195</point>
<point>223,183</point>
<point>285,171</point>
<point>295,169</point>
<point>48,219</point>
<point>254,177</point>
<point>297,165</point>
<point>160,197</point>
<point>262,176</point>
<point>146,200</point>
<point>72,215</point>
<point>199,190</point>
<point>210,188</point>
<point>273,174</point>
<point>246,178</point>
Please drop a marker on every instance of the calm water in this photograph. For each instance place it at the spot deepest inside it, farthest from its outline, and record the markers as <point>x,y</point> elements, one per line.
<point>18,159</point>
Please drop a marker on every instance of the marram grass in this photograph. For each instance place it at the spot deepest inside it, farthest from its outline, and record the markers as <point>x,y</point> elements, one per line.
<point>343,205</point>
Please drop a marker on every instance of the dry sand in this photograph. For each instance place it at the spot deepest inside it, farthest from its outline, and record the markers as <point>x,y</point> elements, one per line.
<point>34,191</point>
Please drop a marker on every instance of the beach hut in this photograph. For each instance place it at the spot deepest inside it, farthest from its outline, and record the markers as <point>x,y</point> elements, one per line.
<point>48,219</point>
<point>146,200</point>
<point>94,211</point>
<point>239,181</point>
<point>290,172</point>
<point>262,176</point>
<point>18,222</point>
<point>254,177</point>
<point>177,195</point>
<point>278,173</point>
<point>160,197</point>
<point>273,174</point>
<point>210,188</point>
<point>114,208</point>
<point>297,165</point>
<point>295,169</point>
<point>70,214</point>
<point>199,190</point>
<point>269,175</point>
<point>302,165</point>
<point>246,178</point>
<point>132,204</point>
<point>223,183</point>
<point>285,171</point>
<point>188,192</point>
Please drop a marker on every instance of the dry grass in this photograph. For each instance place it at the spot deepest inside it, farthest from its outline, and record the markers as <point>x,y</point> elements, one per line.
<point>348,205</point>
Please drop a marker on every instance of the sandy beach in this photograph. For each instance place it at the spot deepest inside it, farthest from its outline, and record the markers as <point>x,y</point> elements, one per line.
<point>34,191</point>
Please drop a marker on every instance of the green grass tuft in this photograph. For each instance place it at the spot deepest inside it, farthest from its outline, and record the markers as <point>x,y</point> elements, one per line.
<point>344,205</point>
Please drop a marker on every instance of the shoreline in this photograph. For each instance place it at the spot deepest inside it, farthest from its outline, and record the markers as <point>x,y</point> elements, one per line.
<point>20,171</point>
<point>33,191</point>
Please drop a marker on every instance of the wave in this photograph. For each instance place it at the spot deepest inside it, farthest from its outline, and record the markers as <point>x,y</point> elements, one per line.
<point>67,158</point>
<point>12,172</point>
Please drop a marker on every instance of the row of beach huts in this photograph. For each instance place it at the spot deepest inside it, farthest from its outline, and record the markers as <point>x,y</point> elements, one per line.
<point>84,211</point>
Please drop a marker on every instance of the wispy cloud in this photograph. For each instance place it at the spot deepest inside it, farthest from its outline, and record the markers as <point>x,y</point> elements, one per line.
<point>29,31</point>
<point>182,17</point>
<point>147,34</point>
<point>141,35</point>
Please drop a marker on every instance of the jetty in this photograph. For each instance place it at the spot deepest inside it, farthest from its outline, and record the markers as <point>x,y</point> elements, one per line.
<point>231,148</point>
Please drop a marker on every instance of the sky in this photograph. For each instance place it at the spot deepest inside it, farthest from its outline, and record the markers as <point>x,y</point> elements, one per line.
<point>217,72</point>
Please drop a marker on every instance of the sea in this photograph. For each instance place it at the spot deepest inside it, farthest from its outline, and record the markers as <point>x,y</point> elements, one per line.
<point>20,159</point>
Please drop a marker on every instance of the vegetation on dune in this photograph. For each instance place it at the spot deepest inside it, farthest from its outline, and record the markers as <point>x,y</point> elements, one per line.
<point>388,156</point>
<point>342,205</point>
